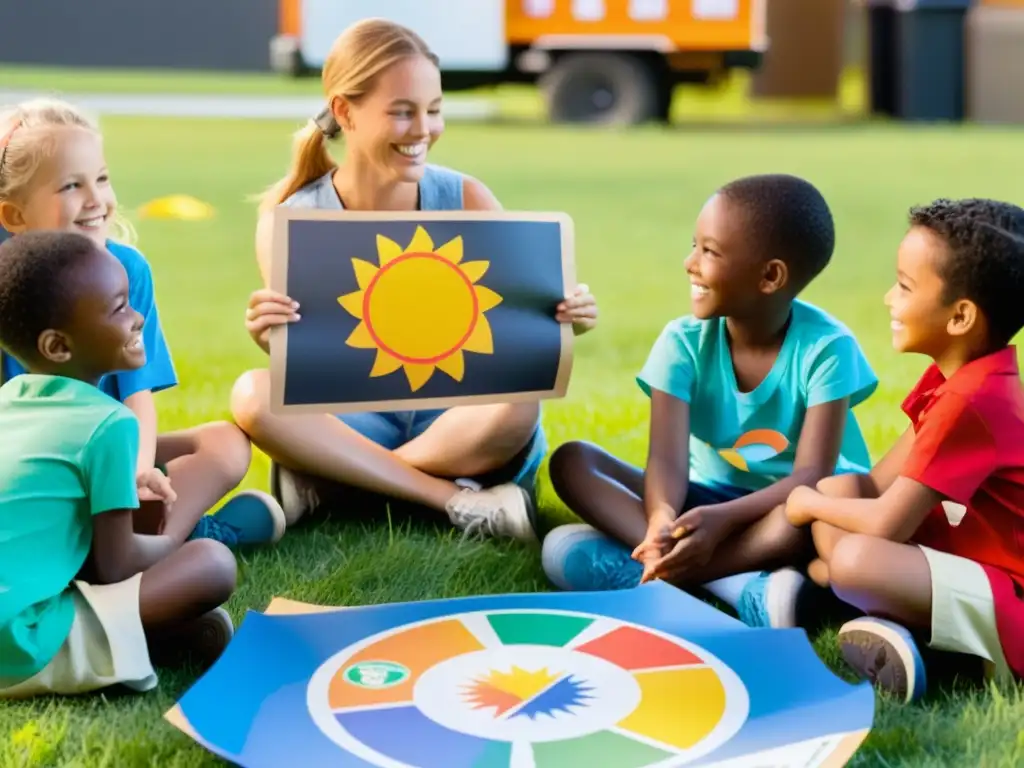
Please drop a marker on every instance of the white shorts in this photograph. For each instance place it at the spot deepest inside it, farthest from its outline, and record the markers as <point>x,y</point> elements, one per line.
<point>106,645</point>
<point>963,610</point>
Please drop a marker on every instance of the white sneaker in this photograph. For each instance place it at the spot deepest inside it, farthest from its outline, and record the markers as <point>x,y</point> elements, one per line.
<point>504,511</point>
<point>296,496</point>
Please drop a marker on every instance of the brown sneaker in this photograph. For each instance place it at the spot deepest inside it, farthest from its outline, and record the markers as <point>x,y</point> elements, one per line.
<point>200,641</point>
<point>885,653</point>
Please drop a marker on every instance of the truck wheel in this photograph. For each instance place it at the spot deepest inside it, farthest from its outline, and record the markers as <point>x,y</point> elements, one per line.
<point>604,88</point>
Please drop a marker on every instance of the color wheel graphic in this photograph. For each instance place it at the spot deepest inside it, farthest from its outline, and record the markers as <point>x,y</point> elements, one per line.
<point>522,688</point>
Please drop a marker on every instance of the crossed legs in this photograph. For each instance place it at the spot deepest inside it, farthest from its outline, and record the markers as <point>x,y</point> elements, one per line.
<point>461,442</point>
<point>204,464</point>
<point>608,494</point>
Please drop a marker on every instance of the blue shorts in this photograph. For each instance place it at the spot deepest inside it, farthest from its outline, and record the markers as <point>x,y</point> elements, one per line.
<point>393,429</point>
<point>703,495</point>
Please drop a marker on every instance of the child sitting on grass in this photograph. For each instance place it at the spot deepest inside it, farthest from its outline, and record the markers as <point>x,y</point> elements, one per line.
<point>929,544</point>
<point>85,602</point>
<point>751,396</point>
<point>54,176</point>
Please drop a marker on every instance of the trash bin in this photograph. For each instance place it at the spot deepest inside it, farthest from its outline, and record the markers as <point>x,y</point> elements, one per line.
<point>917,58</point>
<point>881,57</point>
<point>805,58</point>
<point>994,64</point>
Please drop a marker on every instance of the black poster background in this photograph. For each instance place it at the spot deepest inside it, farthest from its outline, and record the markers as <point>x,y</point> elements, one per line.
<point>525,269</point>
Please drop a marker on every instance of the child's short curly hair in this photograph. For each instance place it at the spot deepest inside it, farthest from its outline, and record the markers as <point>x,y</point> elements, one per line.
<point>36,286</point>
<point>790,220</point>
<point>986,257</point>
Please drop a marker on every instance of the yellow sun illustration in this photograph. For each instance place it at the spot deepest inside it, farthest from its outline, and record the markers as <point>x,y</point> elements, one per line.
<point>421,308</point>
<point>518,682</point>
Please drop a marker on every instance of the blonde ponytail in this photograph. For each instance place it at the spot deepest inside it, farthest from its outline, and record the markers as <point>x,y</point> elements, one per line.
<point>310,161</point>
<point>358,56</point>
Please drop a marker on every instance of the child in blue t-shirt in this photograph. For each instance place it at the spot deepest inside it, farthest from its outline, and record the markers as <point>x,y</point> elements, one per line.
<point>53,176</point>
<point>751,397</point>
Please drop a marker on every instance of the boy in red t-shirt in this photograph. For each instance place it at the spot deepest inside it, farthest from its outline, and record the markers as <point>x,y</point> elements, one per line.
<point>930,544</point>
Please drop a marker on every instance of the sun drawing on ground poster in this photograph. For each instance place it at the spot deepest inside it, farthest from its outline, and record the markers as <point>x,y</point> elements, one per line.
<point>421,308</point>
<point>523,681</point>
<point>527,688</point>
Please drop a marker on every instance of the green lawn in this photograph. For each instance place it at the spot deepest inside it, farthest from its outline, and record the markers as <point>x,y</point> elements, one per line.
<point>633,196</point>
<point>127,81</point>
<point>728,102</point>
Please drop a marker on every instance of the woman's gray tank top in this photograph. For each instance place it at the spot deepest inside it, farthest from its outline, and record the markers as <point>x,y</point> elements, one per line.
<point>440,190</point>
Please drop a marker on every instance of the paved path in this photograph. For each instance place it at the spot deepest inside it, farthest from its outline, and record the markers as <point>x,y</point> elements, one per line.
<point>218,105</point>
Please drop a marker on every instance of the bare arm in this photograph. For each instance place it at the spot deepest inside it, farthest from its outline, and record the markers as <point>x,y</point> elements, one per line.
<point>477,197</point>
<point>886,471</point>
<point>265,245</point>
<point>895,515</point>
<point>925,467</point>
<point>859,486</point>
<point>875,483</point>
<point>667,475</point>
<point>267,309</point>
<point>118,552</point>
<point>817,452</point>
<point>144,408</point>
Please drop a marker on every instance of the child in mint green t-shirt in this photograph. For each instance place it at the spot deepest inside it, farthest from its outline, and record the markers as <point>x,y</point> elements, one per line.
<point>751,396</point>
<point>85,601</point>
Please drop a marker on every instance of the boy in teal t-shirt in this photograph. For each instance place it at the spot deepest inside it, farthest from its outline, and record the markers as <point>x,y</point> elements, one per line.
<point>71,447</point>
<point>748,440</point>
<point>85,602</point>
<point>751,396</point>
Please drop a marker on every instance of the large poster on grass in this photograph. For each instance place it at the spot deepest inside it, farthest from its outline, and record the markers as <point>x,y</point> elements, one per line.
<point>643,678</point>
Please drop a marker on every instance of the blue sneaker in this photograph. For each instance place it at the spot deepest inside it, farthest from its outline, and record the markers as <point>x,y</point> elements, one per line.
<point>580,558</point>
<point>247,518</point>
<point>770,599</point>
<point>886,654</point>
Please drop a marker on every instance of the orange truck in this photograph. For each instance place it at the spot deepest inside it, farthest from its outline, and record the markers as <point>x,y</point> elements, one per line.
<point>596,61</point>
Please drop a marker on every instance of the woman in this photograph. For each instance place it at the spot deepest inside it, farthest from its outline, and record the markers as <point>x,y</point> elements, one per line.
<point>477,464</point>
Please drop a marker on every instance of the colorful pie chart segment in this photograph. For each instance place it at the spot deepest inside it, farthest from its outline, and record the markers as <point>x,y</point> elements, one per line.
<point>385,672</point>
<point>507,689</point>
<point>633,648</point>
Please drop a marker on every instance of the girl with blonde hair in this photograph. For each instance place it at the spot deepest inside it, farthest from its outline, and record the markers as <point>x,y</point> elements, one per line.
<point>54,176</point>
<point>477,464</point>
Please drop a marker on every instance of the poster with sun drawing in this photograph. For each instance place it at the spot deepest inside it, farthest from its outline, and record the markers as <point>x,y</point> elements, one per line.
<point>643,678</point>
<point>400,311</point>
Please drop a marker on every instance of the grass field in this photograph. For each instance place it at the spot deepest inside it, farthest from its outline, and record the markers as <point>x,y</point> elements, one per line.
<point>633,196</point>
<point>693,103</point>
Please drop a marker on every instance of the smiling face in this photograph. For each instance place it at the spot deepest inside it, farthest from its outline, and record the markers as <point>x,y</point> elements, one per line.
<point>398,120</point>
<point>727,275</point>
<point>103,333</point>
<point>922,321</point>
<point>70,191</point>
